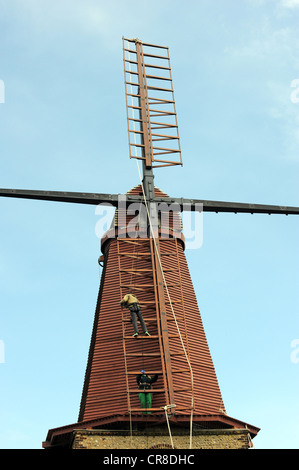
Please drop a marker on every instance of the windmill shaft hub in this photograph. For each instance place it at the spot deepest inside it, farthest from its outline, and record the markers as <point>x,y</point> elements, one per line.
<point>145,219</point>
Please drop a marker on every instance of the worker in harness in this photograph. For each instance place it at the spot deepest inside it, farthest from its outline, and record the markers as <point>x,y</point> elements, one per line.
<point>131,302</point>
<point>144,383</point>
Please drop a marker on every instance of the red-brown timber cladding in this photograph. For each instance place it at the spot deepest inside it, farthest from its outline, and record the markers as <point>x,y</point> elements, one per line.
<point>105,392</point>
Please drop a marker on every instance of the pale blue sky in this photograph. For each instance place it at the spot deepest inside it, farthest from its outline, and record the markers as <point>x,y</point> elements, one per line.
<point>63,127</point>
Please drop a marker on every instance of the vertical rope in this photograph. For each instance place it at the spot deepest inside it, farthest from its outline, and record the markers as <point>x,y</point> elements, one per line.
<point>131,432</point>
<point>164,280</point>
<point>177,326</point>
<point>167,420</point>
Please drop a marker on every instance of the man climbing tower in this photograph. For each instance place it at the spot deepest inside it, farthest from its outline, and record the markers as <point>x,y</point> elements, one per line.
<point>132,303</point>
<point>144,383</point>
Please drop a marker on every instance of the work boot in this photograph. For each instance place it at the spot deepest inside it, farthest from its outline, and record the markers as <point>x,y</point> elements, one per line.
<point>135,335</point>
<point>146,333</point>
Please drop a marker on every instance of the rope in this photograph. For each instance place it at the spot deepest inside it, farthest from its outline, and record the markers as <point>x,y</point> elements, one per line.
<point>164,280</point>
<point>177,326</point>
<point>165,409</point>
<point>249,437</point>
<point>131,432</point>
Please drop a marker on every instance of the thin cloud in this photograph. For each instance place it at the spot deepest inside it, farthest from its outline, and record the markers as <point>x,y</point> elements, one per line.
<point>272,53</point>
<point>47,14</point>
<point>286,114</point>
<point>290,3</point>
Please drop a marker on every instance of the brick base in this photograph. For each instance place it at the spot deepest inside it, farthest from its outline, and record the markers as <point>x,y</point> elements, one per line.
<point>159,439</point>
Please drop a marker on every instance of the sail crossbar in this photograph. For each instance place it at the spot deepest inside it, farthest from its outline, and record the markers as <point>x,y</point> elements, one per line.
<point>151,113</point>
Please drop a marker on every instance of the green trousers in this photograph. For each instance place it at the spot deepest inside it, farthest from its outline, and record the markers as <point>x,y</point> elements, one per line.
<point>145,401</point>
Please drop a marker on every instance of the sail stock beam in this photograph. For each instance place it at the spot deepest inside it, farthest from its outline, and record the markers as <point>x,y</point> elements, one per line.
<point>179,204</point>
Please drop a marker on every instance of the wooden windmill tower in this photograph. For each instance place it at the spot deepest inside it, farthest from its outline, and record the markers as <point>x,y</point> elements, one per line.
<point>143,252</point>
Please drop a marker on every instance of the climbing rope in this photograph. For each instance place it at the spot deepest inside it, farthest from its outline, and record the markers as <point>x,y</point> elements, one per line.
<point>166,408</point>
<point>164,280</point>
<point>168,295</point>
<point>249,437</point>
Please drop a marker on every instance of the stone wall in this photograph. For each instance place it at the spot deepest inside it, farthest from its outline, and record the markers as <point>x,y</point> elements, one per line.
<point>203,439</point>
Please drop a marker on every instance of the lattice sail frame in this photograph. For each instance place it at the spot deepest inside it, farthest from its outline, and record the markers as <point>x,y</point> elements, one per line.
<point>151,114</point>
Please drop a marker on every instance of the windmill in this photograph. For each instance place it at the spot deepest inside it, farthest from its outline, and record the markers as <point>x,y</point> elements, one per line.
<point>145,254</point>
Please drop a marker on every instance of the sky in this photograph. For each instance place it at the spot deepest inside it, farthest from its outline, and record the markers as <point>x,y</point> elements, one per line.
<point>235,69</point>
